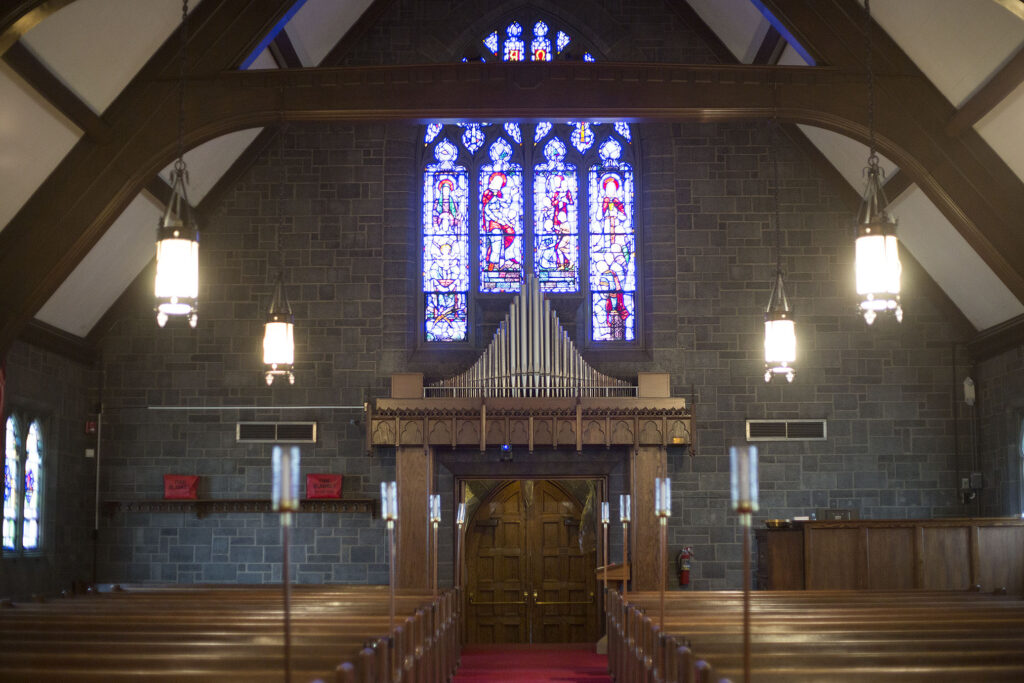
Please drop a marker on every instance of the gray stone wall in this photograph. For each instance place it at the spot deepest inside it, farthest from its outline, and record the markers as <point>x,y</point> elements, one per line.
<point>60,392</point>
<point>348,230</point>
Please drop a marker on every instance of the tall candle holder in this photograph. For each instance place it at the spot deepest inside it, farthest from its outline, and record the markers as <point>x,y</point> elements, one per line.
<point>605,520</point>
<point>663,509</point>
<point>625,516</point>
<point>460,522</point>
<point>284,499</point>
<point>743,485</point>
<point>389,512</point>
<point>434,505</point>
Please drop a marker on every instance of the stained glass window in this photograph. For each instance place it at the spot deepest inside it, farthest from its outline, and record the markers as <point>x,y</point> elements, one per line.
<point>562,207</point>
<point>540,48</point>
<point>446,245</point>
<point>612,246</point>
<point>555,219</point>
<point>582,137</point>
<point>514,45</point>
<point>501,221</point>
<point>512,129</point>
<point>12,492</point>
<point>432,130</point>
<point>33,467</point>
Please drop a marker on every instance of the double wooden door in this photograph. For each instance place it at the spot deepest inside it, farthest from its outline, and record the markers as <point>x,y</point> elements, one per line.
<point>527,578</point>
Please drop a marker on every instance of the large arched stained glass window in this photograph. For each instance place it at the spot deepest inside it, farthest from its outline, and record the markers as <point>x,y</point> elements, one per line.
<point>555,199</point>
<point>12,491</point>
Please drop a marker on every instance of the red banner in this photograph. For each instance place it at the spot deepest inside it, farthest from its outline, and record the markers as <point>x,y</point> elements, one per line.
<point>181,486</point>
<point>323,486</point>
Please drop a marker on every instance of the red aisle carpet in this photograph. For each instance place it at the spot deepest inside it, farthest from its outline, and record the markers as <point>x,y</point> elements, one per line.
<point>577,663</point>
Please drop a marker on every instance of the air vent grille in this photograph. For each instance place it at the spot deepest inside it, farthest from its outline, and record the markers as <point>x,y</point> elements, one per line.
<point>786,430</point>
<point>276,432</point>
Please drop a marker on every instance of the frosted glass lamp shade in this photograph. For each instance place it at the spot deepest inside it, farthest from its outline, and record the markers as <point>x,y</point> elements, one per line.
<point>177,278</point>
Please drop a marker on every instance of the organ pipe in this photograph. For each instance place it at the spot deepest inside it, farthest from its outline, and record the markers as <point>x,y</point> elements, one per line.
<point>531,354</point>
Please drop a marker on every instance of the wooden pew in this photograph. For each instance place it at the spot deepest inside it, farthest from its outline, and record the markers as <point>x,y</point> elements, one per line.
<point>230,633</point>
<point>819,635</point>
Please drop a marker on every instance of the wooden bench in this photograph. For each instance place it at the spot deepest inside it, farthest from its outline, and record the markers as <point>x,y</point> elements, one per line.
<point>818,635</point>
<point>338,633</point>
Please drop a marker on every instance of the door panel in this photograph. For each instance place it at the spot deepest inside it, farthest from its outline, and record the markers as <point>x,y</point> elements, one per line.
<point>527,578</point>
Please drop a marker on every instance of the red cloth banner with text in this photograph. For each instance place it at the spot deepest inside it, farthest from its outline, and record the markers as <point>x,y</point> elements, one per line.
<point>181,486</point>
<point>323,486</point>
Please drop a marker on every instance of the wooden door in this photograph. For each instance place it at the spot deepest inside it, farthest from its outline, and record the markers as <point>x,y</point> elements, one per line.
<point>527,579</point>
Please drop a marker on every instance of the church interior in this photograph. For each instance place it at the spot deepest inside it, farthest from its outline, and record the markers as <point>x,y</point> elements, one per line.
<point>430,328</point>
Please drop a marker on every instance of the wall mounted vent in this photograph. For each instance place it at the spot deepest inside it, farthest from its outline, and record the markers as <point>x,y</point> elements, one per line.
<point>275,432</point>
<point>786,430</point>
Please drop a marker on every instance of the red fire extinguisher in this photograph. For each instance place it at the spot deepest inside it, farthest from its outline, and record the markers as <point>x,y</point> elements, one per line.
<point>685,555</point>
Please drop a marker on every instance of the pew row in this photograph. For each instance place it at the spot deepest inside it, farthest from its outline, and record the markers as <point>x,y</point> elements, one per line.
<point>232,633</point>
<point>805,636</point>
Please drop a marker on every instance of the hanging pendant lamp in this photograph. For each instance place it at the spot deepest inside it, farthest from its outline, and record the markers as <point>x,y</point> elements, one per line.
<point>779,326</point>
<point>176,287</point>
<point>877,251</point>
<point>279,329</point>
<point>279,336</point>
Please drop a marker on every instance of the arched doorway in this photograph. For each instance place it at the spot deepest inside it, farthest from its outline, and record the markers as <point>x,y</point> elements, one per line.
<point>530,561</point>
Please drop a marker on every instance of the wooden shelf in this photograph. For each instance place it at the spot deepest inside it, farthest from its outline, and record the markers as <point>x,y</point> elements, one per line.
<point>204,507</point>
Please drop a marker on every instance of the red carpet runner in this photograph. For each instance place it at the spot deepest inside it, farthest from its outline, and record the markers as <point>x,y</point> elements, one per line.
<point>538,663</point>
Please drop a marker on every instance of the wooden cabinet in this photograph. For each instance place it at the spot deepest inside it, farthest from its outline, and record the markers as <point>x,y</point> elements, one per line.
<point>904,554</point>
<point>780,559</point>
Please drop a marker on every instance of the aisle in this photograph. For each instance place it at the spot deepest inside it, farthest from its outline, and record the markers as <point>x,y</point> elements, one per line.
<point>575,663</point>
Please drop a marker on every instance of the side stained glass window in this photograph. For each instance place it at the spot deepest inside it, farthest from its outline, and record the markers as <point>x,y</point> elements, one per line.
<point>33,476</point>
<point>446,245</point>
<point>556,222</point>
<point>501,221</point>
<point>612,246</point>
<point>12,492</point>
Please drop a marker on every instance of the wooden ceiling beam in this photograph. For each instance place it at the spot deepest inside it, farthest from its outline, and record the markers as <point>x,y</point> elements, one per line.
<point>771,47</point>
<point>84,200</point>
<point>50,88</point>
<point>1001,84</point>
<point>21,16</point>
<point>283,51</point>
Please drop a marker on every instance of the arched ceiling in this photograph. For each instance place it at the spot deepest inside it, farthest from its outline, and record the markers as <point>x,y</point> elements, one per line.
<point>75,73</point>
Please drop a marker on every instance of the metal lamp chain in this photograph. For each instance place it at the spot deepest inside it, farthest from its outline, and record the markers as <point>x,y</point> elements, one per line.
<point>873,156</point>
<point>179,165</point>
<point>775,182</point>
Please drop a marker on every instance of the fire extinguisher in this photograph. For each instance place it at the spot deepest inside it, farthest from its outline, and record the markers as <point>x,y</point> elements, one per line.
<point>685,555</point>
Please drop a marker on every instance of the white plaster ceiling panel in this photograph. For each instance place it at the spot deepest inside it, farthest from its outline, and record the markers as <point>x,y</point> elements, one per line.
<point>264,61</point>
<point>1002,129</point>
<point>106,271</point>
<point>952,263</point>
<point>790,57</point>
<point>320,24</point>
<point>849,156</point>
<point>34,137</point>
<point>738,24</point>
<point>958,44</point>
<point>210,160</point>
<point>97,46</point>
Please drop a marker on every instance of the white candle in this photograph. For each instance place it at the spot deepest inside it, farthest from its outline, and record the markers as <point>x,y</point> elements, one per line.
<point>605,513</point>
<point>663,497</point>
<point>624,508</point>
<point>743,479</point>
<point>460,519</point>
<point>285,489</point>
